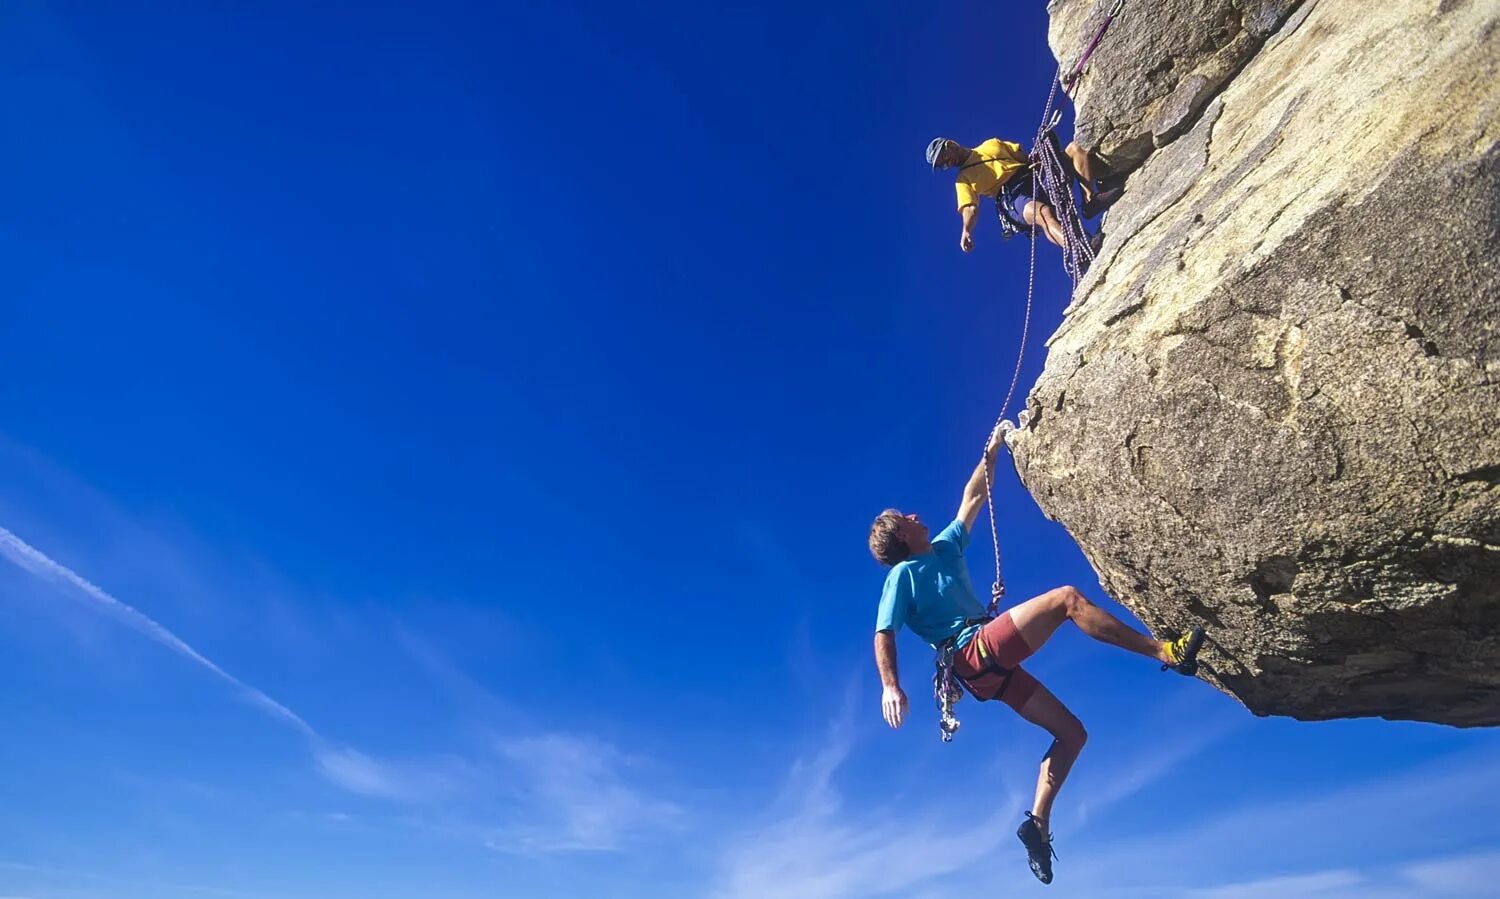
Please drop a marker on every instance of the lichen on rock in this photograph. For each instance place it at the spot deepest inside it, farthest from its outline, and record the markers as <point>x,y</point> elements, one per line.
<point>1273,406</point>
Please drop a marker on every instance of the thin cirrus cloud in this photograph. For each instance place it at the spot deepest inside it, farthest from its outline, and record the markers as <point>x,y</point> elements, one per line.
<point>346,767</point>
<point>810,845</point>
<point>566,792</point>
<point>578,788</point>
<point>1458,877</point>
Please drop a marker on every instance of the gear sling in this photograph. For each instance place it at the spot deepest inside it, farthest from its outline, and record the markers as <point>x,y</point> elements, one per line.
<point>949,687</point>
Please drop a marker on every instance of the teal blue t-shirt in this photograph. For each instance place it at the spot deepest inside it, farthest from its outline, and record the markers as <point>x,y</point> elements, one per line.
<point>931,593</point>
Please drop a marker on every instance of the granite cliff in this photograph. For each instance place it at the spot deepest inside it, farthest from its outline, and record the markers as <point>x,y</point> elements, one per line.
<point>1273,405</point>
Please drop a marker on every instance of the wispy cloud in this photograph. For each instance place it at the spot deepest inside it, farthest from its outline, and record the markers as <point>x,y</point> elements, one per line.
<point>359,773</point>
<point>1318,885</point>
<point>809,845</point>
<point>348,768</point>
<point>1461,875</point>
<point>1361,829</point>
<point>563,793</point>
<point>1436,878</point>
<point>32,560</point>
<point>578,796</point>
<point>157,887</point>
<point>1147,763</point>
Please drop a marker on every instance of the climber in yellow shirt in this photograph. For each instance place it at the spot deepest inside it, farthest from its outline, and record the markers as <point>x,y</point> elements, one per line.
<point>1001,170</point>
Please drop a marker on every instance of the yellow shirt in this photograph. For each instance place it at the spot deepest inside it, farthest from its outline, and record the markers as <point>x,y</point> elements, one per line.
<point>988,167</point>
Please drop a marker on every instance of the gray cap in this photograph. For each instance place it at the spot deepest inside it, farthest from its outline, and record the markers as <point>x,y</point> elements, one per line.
<point>934,150</point>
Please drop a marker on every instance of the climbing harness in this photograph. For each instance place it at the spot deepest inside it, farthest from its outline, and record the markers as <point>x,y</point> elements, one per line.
<point>948,688</point>
<point>1072,77</point>
<point>1048,179</point>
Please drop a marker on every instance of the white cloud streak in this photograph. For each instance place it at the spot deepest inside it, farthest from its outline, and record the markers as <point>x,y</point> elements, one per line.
<point>1361,829</point>
<point>569,793</point>
<point>348,768</point>
<point>157,887</point>
<point>812,847</point>
<point>34,561</point>
<point>579,797</point>
<point>1448,877</point>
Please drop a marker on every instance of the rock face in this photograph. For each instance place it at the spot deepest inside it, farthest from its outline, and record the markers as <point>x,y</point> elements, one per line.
<point>1273,407</point>
<point>1159,67</point>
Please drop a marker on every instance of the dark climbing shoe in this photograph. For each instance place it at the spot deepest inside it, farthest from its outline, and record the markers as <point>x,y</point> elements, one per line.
<point>1100,201</point>
<point>1038,848</point>
<point>1096,242</point>
<point>1183,652</point>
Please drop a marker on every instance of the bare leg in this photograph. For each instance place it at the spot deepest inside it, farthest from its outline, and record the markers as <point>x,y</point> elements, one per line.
<point>1038,617</point>
<point>1083,168</point>
<point>1068,736</point>
<point>1049,224</point>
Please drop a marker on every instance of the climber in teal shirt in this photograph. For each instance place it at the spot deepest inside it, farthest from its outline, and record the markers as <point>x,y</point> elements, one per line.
<point>928,590</point>
<point>942,579</point>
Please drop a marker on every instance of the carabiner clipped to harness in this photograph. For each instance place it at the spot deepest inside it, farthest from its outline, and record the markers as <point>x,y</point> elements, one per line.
<point>946,692</point>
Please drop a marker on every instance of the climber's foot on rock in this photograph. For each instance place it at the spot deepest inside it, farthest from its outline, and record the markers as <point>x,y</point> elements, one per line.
<point>1038,845</point>
<point>1182,653</point>
<point>1100,201</point>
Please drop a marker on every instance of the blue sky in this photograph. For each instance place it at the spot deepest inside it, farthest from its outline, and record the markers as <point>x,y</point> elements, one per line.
<point>436,450</point>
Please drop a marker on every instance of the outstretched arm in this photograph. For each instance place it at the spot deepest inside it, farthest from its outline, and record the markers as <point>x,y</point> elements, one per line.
<point>974,491</point>
<point>892,699</point>
<point>966,239</point>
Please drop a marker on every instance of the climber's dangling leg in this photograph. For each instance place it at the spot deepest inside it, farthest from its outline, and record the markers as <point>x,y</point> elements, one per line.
<point>1068,736</point>
<point>1034,622</point>
<point>1041,215</point>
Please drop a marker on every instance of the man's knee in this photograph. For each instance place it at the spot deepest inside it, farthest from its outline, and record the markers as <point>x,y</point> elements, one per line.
<point>1072,600</point>
<point>1070,734</point>
<point>1077,736</point>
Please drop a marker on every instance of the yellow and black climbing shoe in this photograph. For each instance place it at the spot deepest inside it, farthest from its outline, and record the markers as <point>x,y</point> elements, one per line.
<point>1183,652</point>
<point>1038,845</point>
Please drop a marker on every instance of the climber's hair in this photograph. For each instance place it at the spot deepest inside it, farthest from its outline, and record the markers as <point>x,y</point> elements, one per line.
<point>886,544</point>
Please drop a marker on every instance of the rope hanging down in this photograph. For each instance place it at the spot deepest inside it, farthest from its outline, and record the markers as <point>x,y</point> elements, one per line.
<point>1055,179</point>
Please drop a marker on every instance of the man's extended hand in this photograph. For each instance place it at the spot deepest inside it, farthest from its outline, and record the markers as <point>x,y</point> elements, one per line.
<point>966,243</point>
<point>997,439</point>
<point>893,705</point>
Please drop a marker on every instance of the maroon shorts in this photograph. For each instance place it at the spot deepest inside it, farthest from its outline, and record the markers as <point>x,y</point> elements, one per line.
<point>1003,644</point>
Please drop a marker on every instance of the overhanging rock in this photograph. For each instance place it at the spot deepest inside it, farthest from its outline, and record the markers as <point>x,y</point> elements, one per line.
<point>1273,407</point>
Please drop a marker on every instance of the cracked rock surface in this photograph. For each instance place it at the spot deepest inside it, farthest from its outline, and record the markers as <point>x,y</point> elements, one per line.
<point>1273,407</point>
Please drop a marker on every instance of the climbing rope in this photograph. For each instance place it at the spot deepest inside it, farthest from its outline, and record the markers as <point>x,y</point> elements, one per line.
<point>1056,182</point>
<point>946,691</point>
<point>1053,176</point>
<point>1072,77</point>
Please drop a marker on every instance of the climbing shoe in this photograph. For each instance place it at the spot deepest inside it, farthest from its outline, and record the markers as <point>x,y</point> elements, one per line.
<point>1100,201</point>
<point>1183,652</point>
<point>1096,242</point>
<point>1038,845</point>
